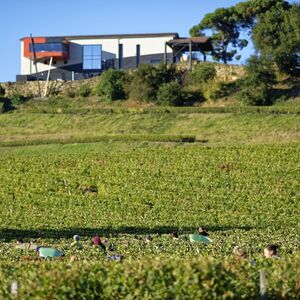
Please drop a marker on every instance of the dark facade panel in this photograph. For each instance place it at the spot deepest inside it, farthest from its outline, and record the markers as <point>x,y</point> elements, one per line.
<point>138,55</point>
<point>66,72</point>
<point>151,59</point>
<point>120,55</point>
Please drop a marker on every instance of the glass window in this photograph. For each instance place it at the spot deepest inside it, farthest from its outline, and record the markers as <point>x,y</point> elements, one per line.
<point>92,57</point>
<point>49,47</point>
<point>87,64</point>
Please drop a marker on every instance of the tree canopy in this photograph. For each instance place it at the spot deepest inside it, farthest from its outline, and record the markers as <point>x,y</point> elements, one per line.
<point>226,25</point>
<point>277,36</point>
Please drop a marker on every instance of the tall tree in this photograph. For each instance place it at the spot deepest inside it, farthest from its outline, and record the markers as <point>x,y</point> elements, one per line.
<point>277,36</point>
<point>226,25</point>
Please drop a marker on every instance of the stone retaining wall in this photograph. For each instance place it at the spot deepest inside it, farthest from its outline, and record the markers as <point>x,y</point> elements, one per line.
<point>30,88</point>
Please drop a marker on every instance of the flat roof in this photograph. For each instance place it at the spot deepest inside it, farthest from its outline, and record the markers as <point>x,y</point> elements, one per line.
<point>200,43</point>
<point>198,39</point>
<point>111,36</point>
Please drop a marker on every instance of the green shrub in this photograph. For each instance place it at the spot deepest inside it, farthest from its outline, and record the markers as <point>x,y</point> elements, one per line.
<point>2,91</point>
<point>157,278</point>
<point>17,99</point>
<point>214,90</point>
<point>254,95</point>
<point>170,94</point>
<point>256,87</point>
<point>141,91</point>
<point>165,73</point>
<point>203,72</point>
<point>84,90</point>
<point>143,84</point>
<point>146,80</point>
<point>111,85</point>
<point>192,95</point>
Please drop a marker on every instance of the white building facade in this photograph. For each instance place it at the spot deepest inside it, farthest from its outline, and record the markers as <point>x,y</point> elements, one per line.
<point>79,57</point>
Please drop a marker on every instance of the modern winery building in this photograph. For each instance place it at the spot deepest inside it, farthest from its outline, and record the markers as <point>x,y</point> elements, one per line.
<point>79,57</point>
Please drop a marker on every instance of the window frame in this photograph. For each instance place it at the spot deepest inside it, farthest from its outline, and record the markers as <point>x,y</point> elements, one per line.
<point>93,58</point>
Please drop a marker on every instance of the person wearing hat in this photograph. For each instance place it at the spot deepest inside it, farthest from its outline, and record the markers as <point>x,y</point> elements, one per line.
<point>76,243</point>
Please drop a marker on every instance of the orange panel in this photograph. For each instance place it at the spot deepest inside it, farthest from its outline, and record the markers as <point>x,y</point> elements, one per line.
<point>41,55</point>
<point>27,42</point>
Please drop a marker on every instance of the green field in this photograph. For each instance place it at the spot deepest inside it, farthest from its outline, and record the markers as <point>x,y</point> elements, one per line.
<point>240,180</point>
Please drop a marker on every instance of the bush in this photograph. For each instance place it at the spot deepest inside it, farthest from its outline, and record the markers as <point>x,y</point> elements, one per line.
<point>147,79</point>
<point>111,85</point>
<point>151,279</point>
<point>141,91</point>
<point>256,87</point>
<point>143,84</point>
<point>203,72</point>
<point>84,90</point>
<point>214,90</point>
<point>17,99</point>
<point>170,94</point>
<point>192,95</point>
<point>165,73</point>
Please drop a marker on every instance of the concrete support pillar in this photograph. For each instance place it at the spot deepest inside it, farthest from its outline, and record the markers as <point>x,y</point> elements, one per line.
<point>190,56</point>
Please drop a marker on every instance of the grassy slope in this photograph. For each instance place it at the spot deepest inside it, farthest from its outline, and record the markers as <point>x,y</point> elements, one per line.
<point>216,128</point>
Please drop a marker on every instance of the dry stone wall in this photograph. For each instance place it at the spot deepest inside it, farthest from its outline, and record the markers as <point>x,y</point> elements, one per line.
<point>30,89</point>
<point>229,72</point>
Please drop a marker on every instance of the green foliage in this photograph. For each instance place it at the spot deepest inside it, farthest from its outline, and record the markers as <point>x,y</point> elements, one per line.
<point>260,70</point>
<point>192,95</point>
<point>170,94</point>
<point>17,99</point>
<point>143,84</point>
<point>214,90</point>
<point>84,90</point>
<point>145,81</point>
<point>220,177</point>
<point>277,36</point>
<point>225,25</point>
<point>203,75</point>
<point>125,195</point>
<point>255,95</point>
<point>165,73</point>
<point>203,72</point>
<point>256,87</point>
<point>111,85</point>
<point>157,278</point>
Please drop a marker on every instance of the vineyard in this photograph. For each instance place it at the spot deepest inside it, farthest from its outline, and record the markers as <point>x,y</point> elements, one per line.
<point>244,195</point>
<point>150,166</point>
